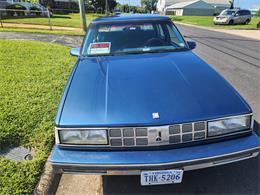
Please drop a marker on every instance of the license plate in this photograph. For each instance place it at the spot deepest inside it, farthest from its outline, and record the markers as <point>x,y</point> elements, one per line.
<point>161,177</point>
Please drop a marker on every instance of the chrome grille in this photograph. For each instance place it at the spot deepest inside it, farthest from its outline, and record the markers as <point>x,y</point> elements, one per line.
<point>158,135</point>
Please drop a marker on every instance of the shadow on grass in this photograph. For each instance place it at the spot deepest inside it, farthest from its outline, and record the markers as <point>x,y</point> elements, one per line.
<point>176,19</point>
<point>60,16</point>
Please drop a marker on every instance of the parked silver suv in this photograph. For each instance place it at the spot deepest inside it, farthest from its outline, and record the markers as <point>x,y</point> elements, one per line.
<point>233,16</point>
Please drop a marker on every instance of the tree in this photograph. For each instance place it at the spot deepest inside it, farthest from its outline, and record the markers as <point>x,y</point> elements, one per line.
<point>149,5</point>
<point>101,5</point>
<point>32,1</point>
<point>124,8</point>
<point>231,2</point>
<point>258,13</point>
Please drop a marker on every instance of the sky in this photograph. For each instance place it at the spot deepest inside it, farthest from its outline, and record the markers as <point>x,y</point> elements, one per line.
<point>131,2</point>
<point>249,4</point>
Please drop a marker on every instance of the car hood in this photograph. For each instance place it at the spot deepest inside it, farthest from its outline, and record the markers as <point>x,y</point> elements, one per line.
<point>126,90</point>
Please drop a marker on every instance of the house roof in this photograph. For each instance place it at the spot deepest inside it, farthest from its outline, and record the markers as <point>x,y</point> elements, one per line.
<point>182,4</point>
<point>188,3</point>
<point>217,1</point>
<point>171,2</point>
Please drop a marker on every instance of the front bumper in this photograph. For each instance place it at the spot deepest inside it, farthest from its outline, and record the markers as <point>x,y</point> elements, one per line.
<point>221,21</point>
<point>133,162</point>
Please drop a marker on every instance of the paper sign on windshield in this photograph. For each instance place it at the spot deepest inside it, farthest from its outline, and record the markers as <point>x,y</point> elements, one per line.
<point>99,48</point>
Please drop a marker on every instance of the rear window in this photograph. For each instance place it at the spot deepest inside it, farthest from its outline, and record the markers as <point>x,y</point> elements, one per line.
<point>247,12</point>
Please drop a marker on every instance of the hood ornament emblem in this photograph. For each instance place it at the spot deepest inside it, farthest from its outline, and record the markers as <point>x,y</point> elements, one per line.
<point>156,115</point>
<point>159,137</point>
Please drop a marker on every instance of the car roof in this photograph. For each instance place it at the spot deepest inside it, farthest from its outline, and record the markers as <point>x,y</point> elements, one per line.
<point>236,9</point>
<point>129,17</point>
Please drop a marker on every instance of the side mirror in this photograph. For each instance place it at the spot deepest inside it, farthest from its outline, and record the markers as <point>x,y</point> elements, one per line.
<point>75,52</point>
<point>191,44</point>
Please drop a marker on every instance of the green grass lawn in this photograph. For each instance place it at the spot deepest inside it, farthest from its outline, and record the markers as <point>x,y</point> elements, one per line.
<point>68,20</point>
<point>207,21</point>
<point>32,77</point>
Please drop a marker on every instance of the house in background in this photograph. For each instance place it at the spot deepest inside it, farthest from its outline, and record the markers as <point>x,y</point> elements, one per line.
<point>61,5</point>
<point>190,8</point>
<point>26,8</point>
<point>66,4</point>
<point>3,4</point>
<point>162,4</point>
<point>218,5</point>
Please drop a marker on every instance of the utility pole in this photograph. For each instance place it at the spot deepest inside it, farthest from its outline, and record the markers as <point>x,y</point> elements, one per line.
<point>106,7</point>
<point>82,14</point>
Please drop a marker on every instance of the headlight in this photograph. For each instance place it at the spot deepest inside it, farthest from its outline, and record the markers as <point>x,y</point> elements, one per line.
<point>224,19</point>
<point>229,125</point>
<point>83,137</point>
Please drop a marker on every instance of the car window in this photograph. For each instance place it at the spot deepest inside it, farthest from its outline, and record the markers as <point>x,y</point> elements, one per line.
<point>227,12</point>
<point>160,32</point>
<point>247,12</point>
<point>132,37</point>
<point>240,13</point>
<point>243,13</point>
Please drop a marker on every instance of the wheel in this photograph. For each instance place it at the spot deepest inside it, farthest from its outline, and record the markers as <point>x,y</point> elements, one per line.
<point>247,22</point>
<point>231,22</point>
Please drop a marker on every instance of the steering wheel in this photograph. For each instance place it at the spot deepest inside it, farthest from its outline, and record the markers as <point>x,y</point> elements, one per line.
<point>153,42</point>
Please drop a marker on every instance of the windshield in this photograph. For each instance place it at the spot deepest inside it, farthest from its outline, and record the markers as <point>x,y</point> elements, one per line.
<point>132,38</point>
<point>227,13</point>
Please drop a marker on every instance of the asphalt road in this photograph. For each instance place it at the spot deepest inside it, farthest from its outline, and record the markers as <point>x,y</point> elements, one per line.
<point>238,60</point>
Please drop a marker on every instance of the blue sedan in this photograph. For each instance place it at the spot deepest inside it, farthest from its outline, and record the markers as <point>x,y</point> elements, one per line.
<point>140,102</point>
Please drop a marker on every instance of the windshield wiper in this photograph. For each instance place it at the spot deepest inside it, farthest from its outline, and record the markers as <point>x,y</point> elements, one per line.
<point>151,51</point>
<point>139,52</point>
<point>168,50</point>
<point>99,55</point>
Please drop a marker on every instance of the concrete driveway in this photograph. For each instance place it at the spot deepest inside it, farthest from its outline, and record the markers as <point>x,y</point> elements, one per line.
<point>238,60</point>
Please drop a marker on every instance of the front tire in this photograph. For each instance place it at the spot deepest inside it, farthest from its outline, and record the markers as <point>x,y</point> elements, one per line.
<point>231,22</point>
<point>247,22</point>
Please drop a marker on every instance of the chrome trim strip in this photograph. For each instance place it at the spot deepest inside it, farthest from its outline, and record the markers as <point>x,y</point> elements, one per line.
<point>138,172</point>
<point>252,121</point>
<point>57,137</point>
<point>147,127</point>
<point>221,162</point>
<point>159,164</point>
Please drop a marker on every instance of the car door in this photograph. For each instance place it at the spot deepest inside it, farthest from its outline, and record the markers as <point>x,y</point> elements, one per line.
<point>237,17</point>
<point>243,17</point>
<point>247,15</point>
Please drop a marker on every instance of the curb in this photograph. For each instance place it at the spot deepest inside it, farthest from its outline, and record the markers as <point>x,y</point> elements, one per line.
<point>80,184</point>
<point>48,182</point>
